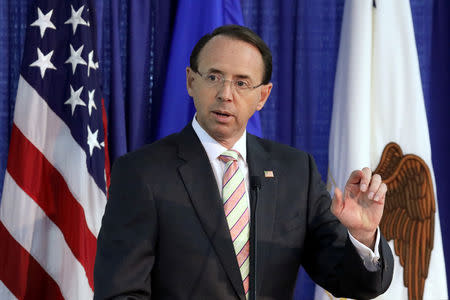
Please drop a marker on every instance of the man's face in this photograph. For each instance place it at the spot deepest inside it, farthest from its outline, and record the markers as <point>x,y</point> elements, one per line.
<point>221,110</point>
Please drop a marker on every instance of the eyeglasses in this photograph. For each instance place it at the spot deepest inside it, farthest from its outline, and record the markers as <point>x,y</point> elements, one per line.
<point>216,80</point>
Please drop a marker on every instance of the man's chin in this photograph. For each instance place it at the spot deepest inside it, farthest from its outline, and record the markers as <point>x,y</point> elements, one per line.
<point>227,137</point>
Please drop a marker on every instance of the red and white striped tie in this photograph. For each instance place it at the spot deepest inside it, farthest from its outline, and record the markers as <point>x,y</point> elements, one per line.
<point>237,212</point>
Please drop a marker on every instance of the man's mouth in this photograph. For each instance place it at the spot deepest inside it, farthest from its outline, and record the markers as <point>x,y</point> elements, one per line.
<point>222,115</point>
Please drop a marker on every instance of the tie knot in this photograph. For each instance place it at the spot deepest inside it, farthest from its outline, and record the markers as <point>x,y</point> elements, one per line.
<point>229,155</point>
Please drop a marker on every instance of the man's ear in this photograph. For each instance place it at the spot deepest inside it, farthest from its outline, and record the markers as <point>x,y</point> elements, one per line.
<point>265,92</point>
<point>189,79</point>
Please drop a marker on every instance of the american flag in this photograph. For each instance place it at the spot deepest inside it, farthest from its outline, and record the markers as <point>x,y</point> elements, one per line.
<point>56,180</point>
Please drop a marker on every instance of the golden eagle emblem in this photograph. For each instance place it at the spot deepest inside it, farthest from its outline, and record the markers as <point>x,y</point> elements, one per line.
<point>408,216</point>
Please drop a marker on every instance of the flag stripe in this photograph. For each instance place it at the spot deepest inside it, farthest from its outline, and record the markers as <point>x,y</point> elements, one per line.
<point>5,293</point>
<point>105,129</point>
<point>48,188</point>
<point>54,191</point>
<point>38,235</point>
<point>15,262</point>
<point>33,117</point>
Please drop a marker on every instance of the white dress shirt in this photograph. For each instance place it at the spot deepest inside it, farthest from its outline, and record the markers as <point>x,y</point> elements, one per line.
<point>214,150</point>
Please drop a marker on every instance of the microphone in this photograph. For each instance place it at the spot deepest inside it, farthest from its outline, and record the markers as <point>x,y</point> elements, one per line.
<point>255,185</point>
<point>255,182</point>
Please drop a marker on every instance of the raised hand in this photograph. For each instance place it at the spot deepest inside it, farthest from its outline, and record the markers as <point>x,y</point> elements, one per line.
<point>361,207</point>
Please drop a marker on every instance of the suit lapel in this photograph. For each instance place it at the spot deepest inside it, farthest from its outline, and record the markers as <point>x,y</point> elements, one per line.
<point>260,161</point>
<point>201,185</point>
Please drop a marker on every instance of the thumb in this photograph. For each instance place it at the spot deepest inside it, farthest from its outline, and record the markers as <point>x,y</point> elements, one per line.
<point>337,204</point>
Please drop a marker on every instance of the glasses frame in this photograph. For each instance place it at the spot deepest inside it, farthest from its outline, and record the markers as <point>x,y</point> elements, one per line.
<point>250,88</point>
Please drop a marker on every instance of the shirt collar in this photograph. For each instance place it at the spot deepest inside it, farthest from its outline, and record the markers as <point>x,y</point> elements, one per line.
<point>213,148</point>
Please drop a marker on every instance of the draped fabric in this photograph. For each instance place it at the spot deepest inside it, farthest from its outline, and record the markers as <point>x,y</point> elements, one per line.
<point>13,16</point>
<point>304,39</point>
<point>134,42</point>
<point>134,39</point>
<point>438,109</point>
<point>378,106</point>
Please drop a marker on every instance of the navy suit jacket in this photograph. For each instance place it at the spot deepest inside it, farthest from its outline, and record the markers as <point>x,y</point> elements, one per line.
<point>164,234</point>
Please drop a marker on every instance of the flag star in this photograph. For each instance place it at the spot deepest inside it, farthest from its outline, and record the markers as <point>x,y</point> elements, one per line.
<point>88,22</point>
<point>92,140</point>
<point>91,63</point>
<point>75,99</point>
<point>76,19</point>
<point>102,144</point>
<point>75,58</point>
<point>91,103</point>
<point>43,21</point>
<point>43,62</point>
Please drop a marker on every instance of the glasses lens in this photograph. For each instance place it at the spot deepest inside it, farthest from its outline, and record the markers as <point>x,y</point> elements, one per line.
<point>216,80</point>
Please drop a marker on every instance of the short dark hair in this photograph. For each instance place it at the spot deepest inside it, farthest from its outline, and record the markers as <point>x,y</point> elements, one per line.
<point>239,33</point>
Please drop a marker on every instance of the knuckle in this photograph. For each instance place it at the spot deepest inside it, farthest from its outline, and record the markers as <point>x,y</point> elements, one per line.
<point>366,174</point>
<point>377,177</point>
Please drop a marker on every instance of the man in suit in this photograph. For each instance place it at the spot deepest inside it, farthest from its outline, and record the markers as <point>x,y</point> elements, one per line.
<point>213,212</point>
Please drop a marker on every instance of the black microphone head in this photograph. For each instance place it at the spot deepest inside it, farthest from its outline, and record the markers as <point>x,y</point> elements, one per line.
<point>255,182</point>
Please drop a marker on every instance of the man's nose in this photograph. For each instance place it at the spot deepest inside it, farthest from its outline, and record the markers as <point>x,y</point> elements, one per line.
<point>225,91</point>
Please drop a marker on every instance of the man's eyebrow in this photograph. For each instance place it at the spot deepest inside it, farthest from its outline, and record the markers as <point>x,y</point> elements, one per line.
<point>214,70</point>
<point>243,76</point>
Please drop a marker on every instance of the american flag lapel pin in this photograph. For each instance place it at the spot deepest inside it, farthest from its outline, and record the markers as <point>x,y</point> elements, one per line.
<point>268,174</point>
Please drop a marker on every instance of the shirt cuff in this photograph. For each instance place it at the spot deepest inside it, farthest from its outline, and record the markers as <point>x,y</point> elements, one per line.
<point>370,258</point>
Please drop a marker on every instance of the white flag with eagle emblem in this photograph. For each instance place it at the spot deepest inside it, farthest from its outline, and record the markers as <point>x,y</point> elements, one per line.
<point>379,120</point>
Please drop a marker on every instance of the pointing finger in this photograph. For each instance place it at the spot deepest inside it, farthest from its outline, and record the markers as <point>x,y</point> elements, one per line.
<point>355,177</point>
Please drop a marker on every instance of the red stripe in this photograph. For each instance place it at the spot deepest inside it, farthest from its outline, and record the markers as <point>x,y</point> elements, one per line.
<point>246,283</point>
<point>226,158</point>
<point>234,198</point>
<point>229,173</point>
<point>239,225</point>
<point>243,254</point>
<point>37,177</point>
<point>107,166</point>
<point>21,273</point>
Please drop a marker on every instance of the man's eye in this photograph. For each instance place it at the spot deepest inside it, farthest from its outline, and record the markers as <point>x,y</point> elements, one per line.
<point>213,78</point>
<point>241,84</point>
